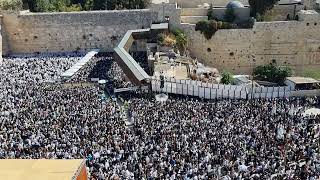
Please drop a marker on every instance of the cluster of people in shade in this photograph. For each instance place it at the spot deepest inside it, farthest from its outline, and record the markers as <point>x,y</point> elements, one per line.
<point>182,138</point>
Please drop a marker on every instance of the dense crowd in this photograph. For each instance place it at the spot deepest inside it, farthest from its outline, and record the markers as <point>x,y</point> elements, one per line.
<point>102,68</point>
<point>183,138</point>
<point>36,69</point>
<point>230,139</point>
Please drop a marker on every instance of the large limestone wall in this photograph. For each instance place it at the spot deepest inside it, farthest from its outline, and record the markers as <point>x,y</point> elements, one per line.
<point>0,39</point>
<point>195,3</point>
<point>292,43</point>
<point>51,32</point>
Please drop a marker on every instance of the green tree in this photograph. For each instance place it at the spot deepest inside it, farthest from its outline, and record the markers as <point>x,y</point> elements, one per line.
<point>229,15</point>
<point>73,7</point>
<point>88,6</point>
<point>142,4</point>
<point>40,5</point>
<point>259,18</point>
<point>181,39</point>
<point>110,4</point>
<point>261,6</point>
<point>84,5</point>
<point>81,2</point>
<point>11,4</point>
<point>210,13</point>
<point>226,78</point>
<point>59,5</point>
<point>272,73</point>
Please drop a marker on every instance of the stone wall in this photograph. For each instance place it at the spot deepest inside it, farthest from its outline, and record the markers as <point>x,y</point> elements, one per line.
<point>242,14</point>
<point>0,42</point>
<point>52,32</point>
<point>170,10</point>
<point>310,4</point>
<point>292,43</point>
<point>280,12</point>
<point>195,3</point>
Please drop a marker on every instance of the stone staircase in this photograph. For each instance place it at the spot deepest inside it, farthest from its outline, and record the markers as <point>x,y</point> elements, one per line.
<point>193,15</point>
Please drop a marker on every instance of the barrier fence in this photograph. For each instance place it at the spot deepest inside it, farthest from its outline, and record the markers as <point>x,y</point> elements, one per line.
<point>218,91</point>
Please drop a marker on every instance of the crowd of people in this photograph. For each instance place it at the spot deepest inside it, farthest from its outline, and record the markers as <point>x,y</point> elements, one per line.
<point>182,138</point>
<point>102,67</point>
<point>229,139</point>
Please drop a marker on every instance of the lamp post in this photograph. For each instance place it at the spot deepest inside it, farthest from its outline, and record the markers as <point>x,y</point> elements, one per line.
<point>167,19</point>
<point>253,66</point>
<point>252,86</point>
<point>163,11</point>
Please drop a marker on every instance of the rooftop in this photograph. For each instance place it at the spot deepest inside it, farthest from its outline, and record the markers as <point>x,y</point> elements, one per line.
<point>302,80</point>
<point>38,169</point>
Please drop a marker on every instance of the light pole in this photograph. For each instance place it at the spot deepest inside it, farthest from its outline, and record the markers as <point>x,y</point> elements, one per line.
<point>252,86</point>
<point>253,66</point>
<point>163,11</point>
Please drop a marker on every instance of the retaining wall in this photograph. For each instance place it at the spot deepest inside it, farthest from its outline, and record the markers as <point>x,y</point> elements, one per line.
<point>291,43</point>
<point>70,31</point>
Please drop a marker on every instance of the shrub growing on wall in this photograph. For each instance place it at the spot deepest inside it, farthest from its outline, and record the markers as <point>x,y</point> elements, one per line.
<point>177,38</point>
<point>209,28</point>
<point>181,40</point>
<point>166,39</point>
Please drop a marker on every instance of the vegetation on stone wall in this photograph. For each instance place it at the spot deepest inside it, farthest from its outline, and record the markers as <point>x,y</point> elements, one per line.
<point>226,78</point>
<point>166,39</point>
<point>84,5</point>
<point>11,4</point>
<point>272,73</point>
<point>176,38</point>
<point>181,40</point>
<point>259,7</point>
<point>212,25</point>
<point>209,28</point>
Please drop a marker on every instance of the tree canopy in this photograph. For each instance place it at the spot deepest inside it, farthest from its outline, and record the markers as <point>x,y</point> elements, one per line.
<point>84,5</point>
<point>11,4</point>
<point>272,73</point>
<point>261,6</point>
<point>227,78</point>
